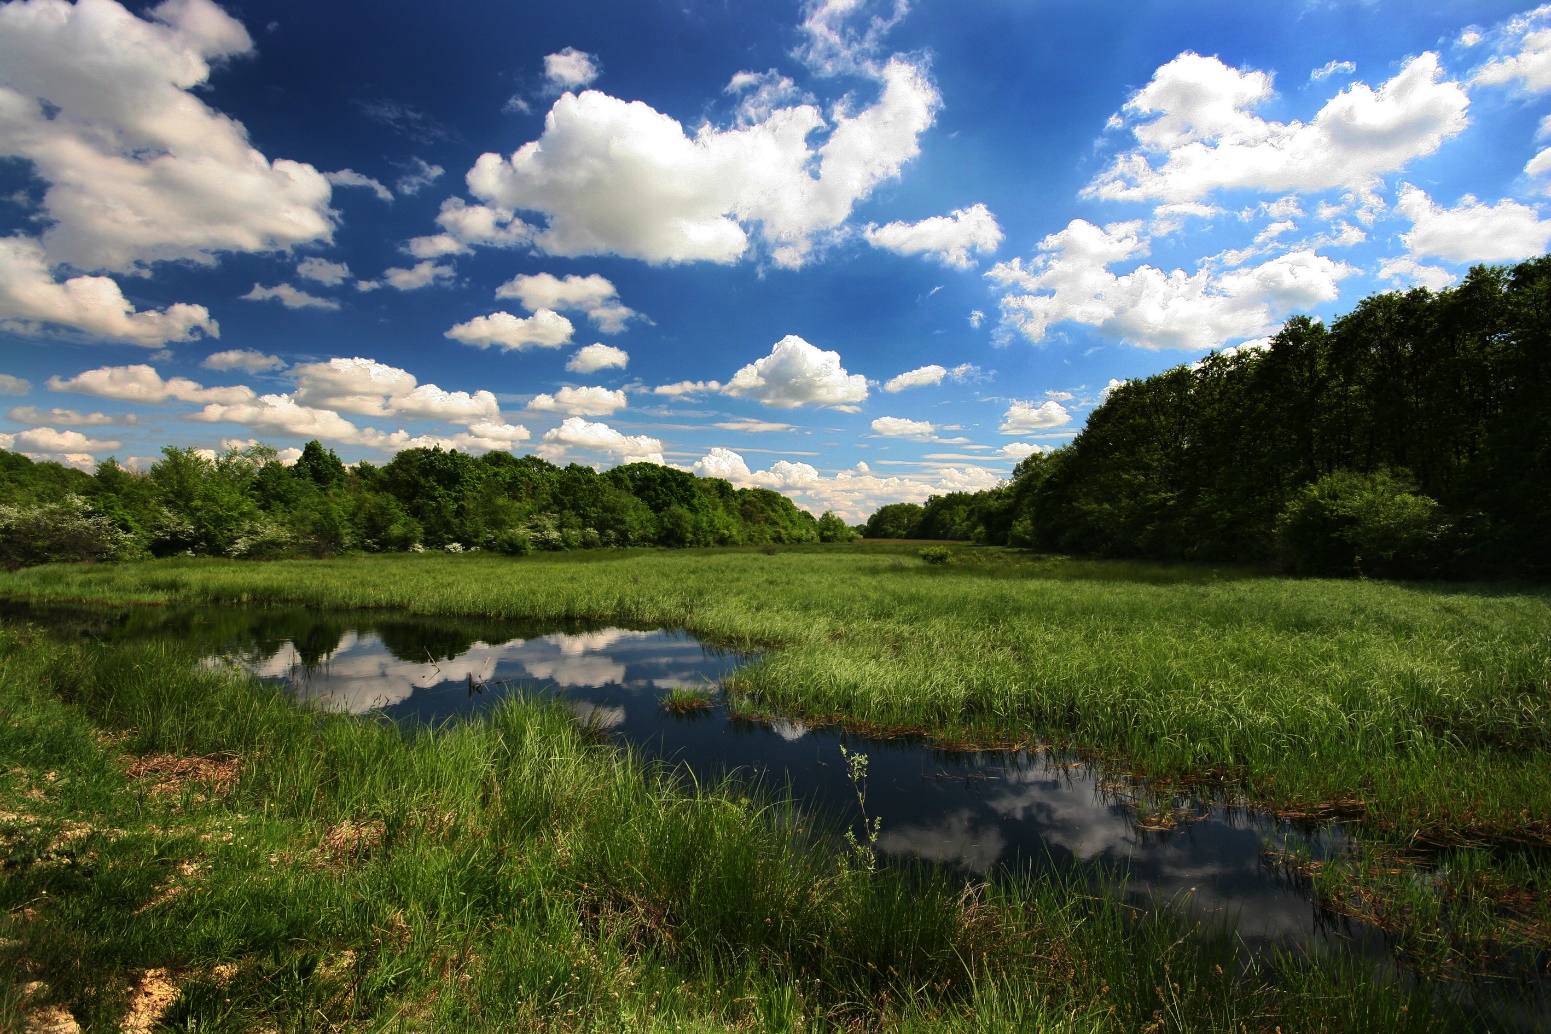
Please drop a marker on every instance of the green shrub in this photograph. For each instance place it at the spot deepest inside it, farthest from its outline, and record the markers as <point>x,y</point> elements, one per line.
<point>894,521</point>
<point>937,555</point>
<point>67,530</point>
<point>512,542</point>
<point>1349,523</point>
<point>833,529</point>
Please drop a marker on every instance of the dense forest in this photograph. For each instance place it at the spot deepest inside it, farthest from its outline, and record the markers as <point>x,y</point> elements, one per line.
<point>1411,437</point>
<point>247,504</point>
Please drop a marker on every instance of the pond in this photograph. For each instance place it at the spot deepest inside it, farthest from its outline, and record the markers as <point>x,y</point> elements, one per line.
<point>977,812</point>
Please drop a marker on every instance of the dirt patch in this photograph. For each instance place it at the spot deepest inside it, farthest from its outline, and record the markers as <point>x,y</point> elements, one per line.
<point>169,774</point>
<point>55,1019</point>
<point>51,1019</point>
<point>149,1001</point>
<point>351,841</point>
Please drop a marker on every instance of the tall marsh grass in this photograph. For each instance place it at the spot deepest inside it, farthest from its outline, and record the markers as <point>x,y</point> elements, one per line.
<point>1425,710</point>
<point>507,874</point>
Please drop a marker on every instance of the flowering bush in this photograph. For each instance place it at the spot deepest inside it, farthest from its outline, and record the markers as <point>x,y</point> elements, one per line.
<point>64,531</point>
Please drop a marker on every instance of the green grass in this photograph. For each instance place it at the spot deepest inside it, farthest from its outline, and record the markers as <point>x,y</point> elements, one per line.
<point>508,874</point>
<point>1424,710</point>
<point>682,701</point>
<point>1419,713</point>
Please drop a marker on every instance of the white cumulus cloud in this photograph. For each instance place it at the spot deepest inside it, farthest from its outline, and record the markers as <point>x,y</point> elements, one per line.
<point>898,427</point>
<point>1406,270</point>
<point>1023,417</point>
<point>751,425</point>
<point>1197,133</point>
<point>428,402</point>
<point>570,69</point>
<point>421,174</point>
<point>330,274</point>
<point>245,359</point>
<point>545,329</point>
<point>1471,231</point>
<point>10,385</point>
<point>281,415</point>
<point>852,494</point>
<point>1070,281</point>
<point>595,357</point>
<point>369,388</point>
<point>65,417</point>
<point>917,378</point>
<point>68,447</point>
<point>688,388</point>
<point>141,383</point>
<point>354,385</point>
<point>351,178</point>
<point>1332,68</point>
<point>578,433</point>
<point>580,401</point>
<point>1526,58</point>
<point>796,373</point>
<point>835,44</point>
<point>421,274</point>
<point>723,463</point>
<point>592,295</point>
<point>31,299</point>
<point>139,169</point>
<point>614,177</point>
<point>950,239</point>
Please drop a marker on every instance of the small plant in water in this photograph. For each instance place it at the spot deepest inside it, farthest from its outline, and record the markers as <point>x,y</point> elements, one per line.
<point>866,851</point>
<point>937,555</point>
<point>687,701</point>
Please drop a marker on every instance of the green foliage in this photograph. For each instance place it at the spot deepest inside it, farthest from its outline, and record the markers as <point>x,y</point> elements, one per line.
<point>937,555</point>
<point>26,483</point>
<point>69,530</point>
<point>833,529</point>
<point>320,466</point>
<point>246,504</point>
<point>1348,523</point>
<point>894,521</point>
<point>1203,462</point>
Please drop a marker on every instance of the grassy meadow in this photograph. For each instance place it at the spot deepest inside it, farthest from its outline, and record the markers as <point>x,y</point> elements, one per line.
<point>279,865</point>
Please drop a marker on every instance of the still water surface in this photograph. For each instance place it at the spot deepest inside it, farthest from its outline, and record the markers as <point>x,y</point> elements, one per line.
<point>976,812</point>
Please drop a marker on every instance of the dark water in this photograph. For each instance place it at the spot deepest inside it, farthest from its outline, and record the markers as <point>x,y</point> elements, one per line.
<point>976,812</point>
<point>972,811</point>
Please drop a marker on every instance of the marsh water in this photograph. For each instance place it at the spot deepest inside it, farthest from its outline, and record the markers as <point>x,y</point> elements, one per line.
<point>973,811</point>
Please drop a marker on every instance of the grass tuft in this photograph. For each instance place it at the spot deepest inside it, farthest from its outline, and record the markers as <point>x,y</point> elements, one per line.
<point>686,701</point>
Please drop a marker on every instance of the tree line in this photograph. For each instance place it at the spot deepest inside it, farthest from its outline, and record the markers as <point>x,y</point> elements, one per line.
<point>1411,437</point>
<point>247,504</point>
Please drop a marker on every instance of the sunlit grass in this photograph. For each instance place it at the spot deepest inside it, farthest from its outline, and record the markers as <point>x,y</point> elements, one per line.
<point>1422,709</point>
<point>505,873</point>
<point>1418,713</point>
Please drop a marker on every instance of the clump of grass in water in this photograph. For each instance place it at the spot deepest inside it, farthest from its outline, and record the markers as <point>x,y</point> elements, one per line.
<point>686,701</point>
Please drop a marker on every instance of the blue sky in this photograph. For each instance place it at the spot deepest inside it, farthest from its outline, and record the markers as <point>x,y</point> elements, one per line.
<point>860,251</point>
